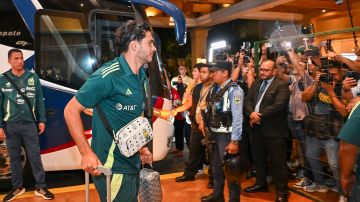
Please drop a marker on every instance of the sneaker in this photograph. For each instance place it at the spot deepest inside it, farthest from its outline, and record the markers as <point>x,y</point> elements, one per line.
<point>343,198</point>
<point>316,188</point>
<point>45,193</point>
<point>302,183</point>
<point>13,194</point>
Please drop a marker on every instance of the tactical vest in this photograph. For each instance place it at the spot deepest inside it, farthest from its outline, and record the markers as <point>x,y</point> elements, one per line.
<point>218,107</point>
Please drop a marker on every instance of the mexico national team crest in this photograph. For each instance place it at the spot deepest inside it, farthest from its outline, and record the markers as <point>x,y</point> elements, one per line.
<point>31,81</point>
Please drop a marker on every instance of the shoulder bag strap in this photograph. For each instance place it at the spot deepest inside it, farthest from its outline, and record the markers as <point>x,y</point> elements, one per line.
<point>21,94</point>
<point>105,121</point>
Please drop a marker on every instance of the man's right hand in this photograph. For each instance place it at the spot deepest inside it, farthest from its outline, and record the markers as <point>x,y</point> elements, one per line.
<point>2,134</point>
<point>90,162</point>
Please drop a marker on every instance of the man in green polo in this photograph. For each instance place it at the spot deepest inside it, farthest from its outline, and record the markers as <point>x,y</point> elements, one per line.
<point>117,87</point>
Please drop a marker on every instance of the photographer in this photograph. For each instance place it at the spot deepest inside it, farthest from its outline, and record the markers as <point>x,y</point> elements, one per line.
<point>323,124</point>
<point>298,80</point>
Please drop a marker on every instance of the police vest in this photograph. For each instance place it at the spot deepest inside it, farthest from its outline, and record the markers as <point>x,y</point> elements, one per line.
<point>218,107</point>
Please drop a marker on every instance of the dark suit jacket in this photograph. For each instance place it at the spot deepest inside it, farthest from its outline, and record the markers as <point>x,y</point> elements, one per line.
<point>273,107</point>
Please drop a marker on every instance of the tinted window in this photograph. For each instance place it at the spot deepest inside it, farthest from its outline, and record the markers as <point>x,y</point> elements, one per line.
<point>64,52</point>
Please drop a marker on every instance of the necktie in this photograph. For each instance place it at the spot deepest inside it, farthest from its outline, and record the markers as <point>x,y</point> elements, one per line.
<point>262,90</point>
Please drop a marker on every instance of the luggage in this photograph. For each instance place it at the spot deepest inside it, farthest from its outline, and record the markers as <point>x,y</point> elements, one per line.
<point>150,187</point>
<point>107,172</point>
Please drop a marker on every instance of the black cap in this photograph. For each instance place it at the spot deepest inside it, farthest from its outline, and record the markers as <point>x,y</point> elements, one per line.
<point>220,65</point>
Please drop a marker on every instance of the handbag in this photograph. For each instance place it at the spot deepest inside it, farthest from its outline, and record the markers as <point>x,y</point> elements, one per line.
<point>130,138</point>
<point>150,187</point>
<point>136,134</point>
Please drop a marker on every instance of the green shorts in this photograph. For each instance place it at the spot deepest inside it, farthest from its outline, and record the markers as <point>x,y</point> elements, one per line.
<point>124,187</point>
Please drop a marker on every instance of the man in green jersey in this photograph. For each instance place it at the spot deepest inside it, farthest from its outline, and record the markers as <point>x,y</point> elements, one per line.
<point>22,120</point>
<point>349,155</point>
<point>117,87</point>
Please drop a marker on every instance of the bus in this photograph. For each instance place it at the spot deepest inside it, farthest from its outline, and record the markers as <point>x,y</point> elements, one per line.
<point>64,42</point>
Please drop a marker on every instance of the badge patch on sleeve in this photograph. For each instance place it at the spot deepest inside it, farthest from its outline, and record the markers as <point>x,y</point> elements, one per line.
<point>237,99</point>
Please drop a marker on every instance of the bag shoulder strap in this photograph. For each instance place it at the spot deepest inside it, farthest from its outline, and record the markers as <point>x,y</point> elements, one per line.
<point>21,94</point>
<point>105,121</point>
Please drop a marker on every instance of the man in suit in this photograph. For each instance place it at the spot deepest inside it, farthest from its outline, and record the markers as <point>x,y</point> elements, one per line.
<point>266,104</point>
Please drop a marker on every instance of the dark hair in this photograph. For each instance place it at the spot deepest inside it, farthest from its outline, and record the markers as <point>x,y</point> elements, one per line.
<point>128,32</point>
<point>14,50</point>
<point>199,65</point>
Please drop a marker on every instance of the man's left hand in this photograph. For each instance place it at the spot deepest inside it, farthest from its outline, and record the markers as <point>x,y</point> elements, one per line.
<point>146,156</point>
<point>232,148</point>
<point>41,128</point>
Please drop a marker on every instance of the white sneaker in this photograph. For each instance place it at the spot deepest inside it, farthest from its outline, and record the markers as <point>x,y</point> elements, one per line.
<point>302,183</point>
<point>316,188</point>
<point>343,198</point>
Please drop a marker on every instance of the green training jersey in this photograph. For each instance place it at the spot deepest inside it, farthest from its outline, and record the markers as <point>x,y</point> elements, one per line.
<point>13,107</point>
<point>119,92</point>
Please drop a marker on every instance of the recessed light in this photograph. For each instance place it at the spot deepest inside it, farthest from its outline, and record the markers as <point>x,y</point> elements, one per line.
<point>324,10</point>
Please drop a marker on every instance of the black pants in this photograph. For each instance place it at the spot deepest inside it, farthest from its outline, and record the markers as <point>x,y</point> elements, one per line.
<point>197,152</point>
<point>275,147</point>
<point>179,134</point>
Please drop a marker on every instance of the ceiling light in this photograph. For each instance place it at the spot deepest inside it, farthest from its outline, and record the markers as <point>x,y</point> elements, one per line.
<point>82,5</point>
<point>226,5</point>
<point>324,10</point>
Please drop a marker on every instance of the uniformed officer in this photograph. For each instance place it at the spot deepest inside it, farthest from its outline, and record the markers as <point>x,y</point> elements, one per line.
<point>224,120</point>
<point>118,87</point>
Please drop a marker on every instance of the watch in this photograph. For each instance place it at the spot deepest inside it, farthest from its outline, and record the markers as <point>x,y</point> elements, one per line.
<point>234,141</point>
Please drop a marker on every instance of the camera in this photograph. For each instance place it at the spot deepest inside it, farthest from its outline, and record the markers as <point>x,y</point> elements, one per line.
<point>326,76</point>
<point>353,74</point>
<point>221,54</point>
<point>246,49</point>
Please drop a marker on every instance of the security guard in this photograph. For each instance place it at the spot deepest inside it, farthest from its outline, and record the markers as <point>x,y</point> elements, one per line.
<point>224,121</point>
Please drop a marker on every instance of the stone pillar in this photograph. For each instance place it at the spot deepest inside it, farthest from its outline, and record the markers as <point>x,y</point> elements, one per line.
<point>198,43</point>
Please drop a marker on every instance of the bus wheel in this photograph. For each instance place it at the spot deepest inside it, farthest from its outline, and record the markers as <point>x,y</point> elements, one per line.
<point>5,171</point>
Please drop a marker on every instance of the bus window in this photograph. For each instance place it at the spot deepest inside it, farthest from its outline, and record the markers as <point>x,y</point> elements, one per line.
<point>103,27</point>
<point>64,52</point>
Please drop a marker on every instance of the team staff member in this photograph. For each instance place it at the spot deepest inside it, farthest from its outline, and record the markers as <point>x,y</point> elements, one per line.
<point>18,124</point>
<point>118,88</point>
<point>266,103</point>
<point>224,111</point>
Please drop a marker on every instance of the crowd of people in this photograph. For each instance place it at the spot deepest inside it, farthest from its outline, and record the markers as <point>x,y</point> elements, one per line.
<point>285,121</point>
<point>225,111</point>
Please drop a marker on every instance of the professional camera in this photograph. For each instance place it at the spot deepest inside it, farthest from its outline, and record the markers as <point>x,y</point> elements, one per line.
<point>221,53</point>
